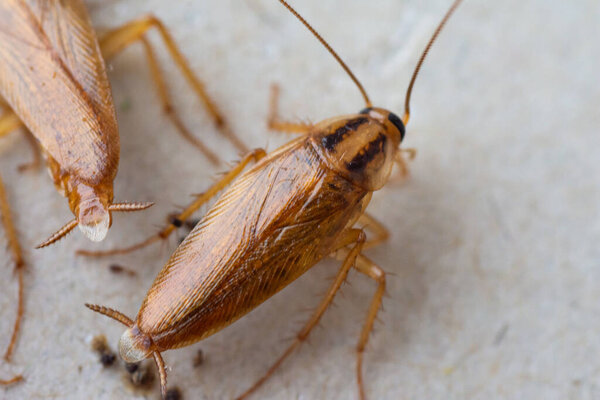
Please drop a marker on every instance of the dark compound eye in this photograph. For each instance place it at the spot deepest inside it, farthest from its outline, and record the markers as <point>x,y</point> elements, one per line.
<point>366,110</point>
<point>393,118</point>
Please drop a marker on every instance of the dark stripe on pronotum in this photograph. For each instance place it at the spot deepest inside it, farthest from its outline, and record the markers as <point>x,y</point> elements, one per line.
<point>360,161</point>
<point>331,140</point>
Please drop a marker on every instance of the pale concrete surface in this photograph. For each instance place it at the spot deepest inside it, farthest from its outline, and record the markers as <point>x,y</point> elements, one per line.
<point>494,265</point>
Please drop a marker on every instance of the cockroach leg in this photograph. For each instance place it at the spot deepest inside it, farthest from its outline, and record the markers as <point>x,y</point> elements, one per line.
<point>276,124</point>
<point>402,163</point>
<point>255,155</point>
<point>379,230</point>
<point>9,122</point>
<point>19,263</point>
<point>36,163</point>
<point>14,379</point>
<point>161,87</point>
<point>355,236</point>
<point>367,267</point>
<point>117,39</point>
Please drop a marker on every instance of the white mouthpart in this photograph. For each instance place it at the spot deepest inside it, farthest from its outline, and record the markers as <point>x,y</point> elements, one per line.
<point>96,231</point>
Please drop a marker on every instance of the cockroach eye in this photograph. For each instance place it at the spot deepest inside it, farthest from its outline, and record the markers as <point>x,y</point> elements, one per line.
<point>366,110</point>
<point>393,118</point>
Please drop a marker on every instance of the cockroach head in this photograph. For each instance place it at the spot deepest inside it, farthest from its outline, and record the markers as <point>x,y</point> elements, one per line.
<point>94,219</point>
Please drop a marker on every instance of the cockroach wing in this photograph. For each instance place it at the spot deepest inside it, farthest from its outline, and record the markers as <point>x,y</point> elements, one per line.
<point>272,224</point>
<point>53,76</point>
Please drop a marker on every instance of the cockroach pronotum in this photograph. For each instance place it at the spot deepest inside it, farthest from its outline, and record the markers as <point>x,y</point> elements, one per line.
<point>272,223</point>
<point>53,81</point>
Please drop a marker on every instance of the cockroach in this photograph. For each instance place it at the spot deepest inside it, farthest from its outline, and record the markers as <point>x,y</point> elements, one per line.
<point>53,78</point>
<point>274,222</point>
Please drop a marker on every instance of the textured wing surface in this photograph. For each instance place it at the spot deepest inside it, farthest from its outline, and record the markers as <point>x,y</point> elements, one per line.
<point>269,227</point>
<point>53,76</point>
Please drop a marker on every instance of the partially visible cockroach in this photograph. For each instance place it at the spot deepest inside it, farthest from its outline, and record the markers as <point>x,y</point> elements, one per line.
<point>53,81</point>
<point>296,206</point>
<point>53,78</point>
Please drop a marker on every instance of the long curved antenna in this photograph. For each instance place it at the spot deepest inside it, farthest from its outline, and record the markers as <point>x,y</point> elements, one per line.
<point>59,234</point>
<point>162,373</point>
<point>418,67</point>
<point>330,50</point>
<point>129,207</point>
<point>114,314</point>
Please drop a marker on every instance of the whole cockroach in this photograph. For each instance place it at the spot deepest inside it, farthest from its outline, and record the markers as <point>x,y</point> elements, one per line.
<point>53,78</point>
<point>53,81</point>
<point>275,221</point>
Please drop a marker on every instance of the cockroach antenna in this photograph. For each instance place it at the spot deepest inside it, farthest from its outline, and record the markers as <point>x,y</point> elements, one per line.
<point>363,92</point>
<point>439,28</point>
<point>69,226</point>
<point>353,77</point>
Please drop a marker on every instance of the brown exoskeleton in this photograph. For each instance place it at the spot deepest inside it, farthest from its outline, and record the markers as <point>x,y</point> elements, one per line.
<point>275,221</point>
<point>53,80</point>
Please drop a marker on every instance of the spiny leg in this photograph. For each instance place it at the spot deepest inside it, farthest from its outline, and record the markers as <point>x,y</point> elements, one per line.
<point>355,236</point>
<point>402,163</point>
<point>202,199</point>
<point>367,267</point>
<point>276,124</point>
<point>117,39</point>
<point>168,108</point>
<point>19,265</point>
